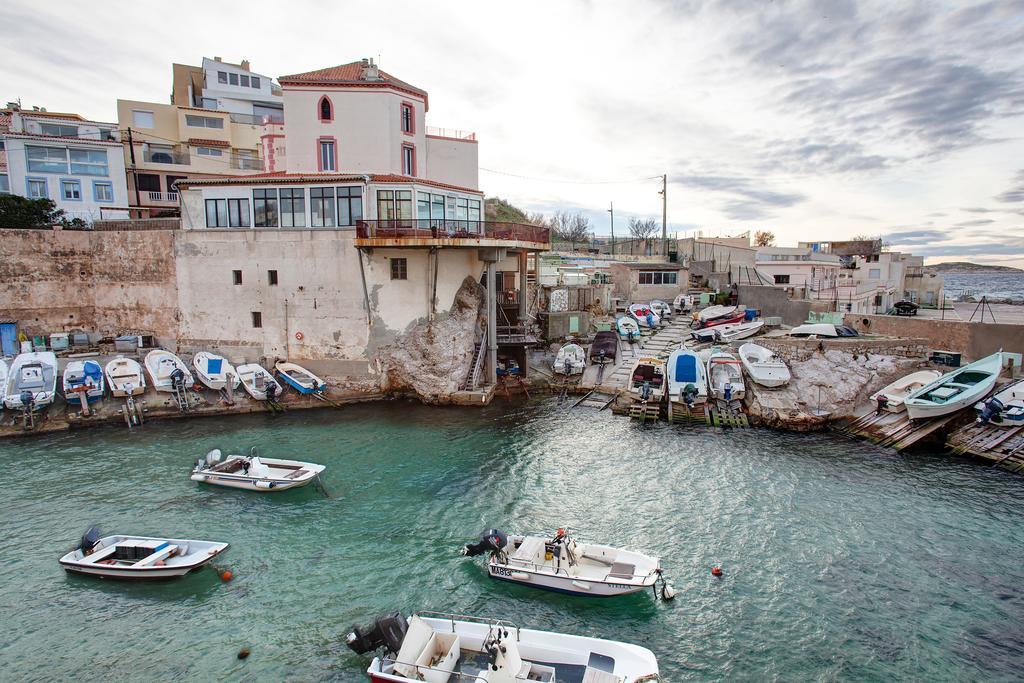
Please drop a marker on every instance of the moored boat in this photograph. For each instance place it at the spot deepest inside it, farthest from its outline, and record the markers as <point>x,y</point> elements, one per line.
<point>687,380</point>
<point>571,359</point>
<point>725,380</point>
<point>437,647</point>
<point>254,473</point>
<point>715,312</point>
<point>3,380</point>
<point>605,347</point>
<point>125,377</point>
<point>258,382</point>
<point>166,371</point>
<point>644,316</point>
<point>734,319</point>
<point>214,371</point>
<point>955,390</point>
<point>299,378</point>
<point>728,332</point>
<point>896,392</point>
<point>628,329</point>
<point>647,378</point>
<point>82,377</point>
<point>31,378</point>
<point>138,557</point>
<point>661,309</point>
<point>1005,408</point>
<point>763,366</point>
<point>682,303</point>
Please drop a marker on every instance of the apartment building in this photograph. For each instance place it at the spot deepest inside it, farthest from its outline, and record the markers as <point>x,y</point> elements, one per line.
<point>64,157</point>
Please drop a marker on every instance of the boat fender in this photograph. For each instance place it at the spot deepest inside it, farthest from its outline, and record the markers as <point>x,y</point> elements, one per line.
<point>716,571</point>
<point>520,576</point>
<point>299,336</point>
<point>667,591</point>
<point>581,585</point>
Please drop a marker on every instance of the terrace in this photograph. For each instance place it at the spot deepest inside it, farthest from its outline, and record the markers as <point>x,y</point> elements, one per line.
<point>450,233</point>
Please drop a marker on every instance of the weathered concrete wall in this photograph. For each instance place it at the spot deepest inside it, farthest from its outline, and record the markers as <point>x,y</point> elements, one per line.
<point>774,302</point>
<point>973,340</point>
<point>795,349</point>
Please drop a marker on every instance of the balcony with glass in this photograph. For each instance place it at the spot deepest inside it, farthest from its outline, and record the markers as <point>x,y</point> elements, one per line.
<point>166,154</point>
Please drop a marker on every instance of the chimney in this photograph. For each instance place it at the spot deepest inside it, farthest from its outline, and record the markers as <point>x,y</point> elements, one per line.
<point>245,65</point>
<point>217,59</point>
<point>370,72</point>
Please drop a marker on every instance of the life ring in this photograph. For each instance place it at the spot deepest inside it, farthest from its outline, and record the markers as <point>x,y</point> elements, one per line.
<point>299,336</point>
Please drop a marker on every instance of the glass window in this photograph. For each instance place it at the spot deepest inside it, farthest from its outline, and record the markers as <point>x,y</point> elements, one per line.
<point>37,188</point>
<point>407,119</point>
<point>782,279</point>
<point>325,109</point>
<point>403,202</point>
<point>386,205</point>
<point>264,208</point>
<point>209,151</point>
<point>326,155</point>
<point>238,213</point>
<point>89,161</point>
<point>216,213</point>
<point>422,206</point>
<point>321,207</point>
<point>203,121</point>
<point>102,192</point>
<point>244,80</point>
<point>60,129</point>
<point>71,190</point>
<point>461,209</point>
<point>437,207</point>
<point>233,79</point>
<point>257,319</point>
<point>5,184</point>
<point>293,208</point>
<point>474,210</point>
<point>408,160</point>
<point>255,80</point>
<point>222,76</point>
<point>47,159</point>
<point>399,269</point>
<point>142,119</point>
<point>350,205</point>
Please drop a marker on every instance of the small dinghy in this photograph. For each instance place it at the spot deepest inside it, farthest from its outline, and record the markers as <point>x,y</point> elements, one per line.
<point>661,309</point>
<point>215,371</point>
<point>894,394</point>
<point>724,376</point>
<point>31,379</point>
<point>644,316</point>
<point>1005,409</point>
<point>687,381</point>
<point>727,333</point>
<point>605,347</point>
<point>564,565</point>
<point>628,329</point>
<point>570,360</point>
<point>682,303</point>
<point>82,377</point>
<point>715,312</point>
<point>763,366</point>
<point>125,377</point>
<point>138,557</point>
<point>299,378</point>
<point>647,379</point>
<point>254,473</point>
<point>449,648</point>
<point>258,382</point>
<point>167,370</point>
<point>814,330</point>
<point>955,390</point>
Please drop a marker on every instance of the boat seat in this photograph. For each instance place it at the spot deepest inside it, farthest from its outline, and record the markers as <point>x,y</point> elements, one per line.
<point>100,554</point>
<point>160,554</point>
<point>592,675</point>
<point>417,637</point>
<point>529,550</point>
<point>296,474</point>
<point>622,570</point>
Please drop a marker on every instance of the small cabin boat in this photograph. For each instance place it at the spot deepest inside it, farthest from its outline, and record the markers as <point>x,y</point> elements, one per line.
<point>258,382</point>
<point>725,379</point>
<point>571,359</point>
<point>644,316</point>
<point>125,377</point>
<point>215,371</point>
<point>687,381</point>
<point>814,330</point>
<point>1005,408</point>
<point>955,390</point>
<point>32,378</point>
<point>166,370</point>
<point>647,379</point>
<point>138,557</point>
<point>564,565</point>
<point>254,473</point>
<point>448,648</point>
<point>895,393</point>
<point>628,329</point>
<point>299,378</point>
<point>82,376</point>
<point>682,303</point>
<point>715,312</point>
<point>605,347</point>
<point>763,366</point>
<point>727,333</point>
<point>661,309</point>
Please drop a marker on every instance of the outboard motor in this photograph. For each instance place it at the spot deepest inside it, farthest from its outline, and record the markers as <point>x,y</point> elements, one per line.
<point>89,539</point>
<point>490,540</point>
<point>645,391</point>
<point>689,395</point>
<point>178,378</point>
<point>990,410</point>
<point>568,365</point>
<point>727,390</point>
<point>387,630</point>
<point>271,391</point>
<point>27,399</point>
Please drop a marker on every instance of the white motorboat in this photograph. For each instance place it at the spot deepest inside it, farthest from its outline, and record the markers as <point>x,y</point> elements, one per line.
<point>682,303</point>
<point>564,565</point>
<point>715,312</point>
<point>955,390</point>
<point>138,557</point>
<point>32,378</point>
<point>728,333</point>
<point>814,330</point>
<point>896,392</point>
<point>571,359</point>
<point>687,381</point>
<point>647,378</point>
<point>82,377</point>
<point>125,377</point>
<point>443,648</point>
<point>299,378</point>
<point>215,371</point>
<point>3,380</point>
<point>661,309</point>
<point>166,370</point>
<point>1005,408</point>
<point>628,329</point>
<point>644,316</point>
<point>258,382</point>
<point>764,366</point>
<point>254,473</point>
<point>725,379</point>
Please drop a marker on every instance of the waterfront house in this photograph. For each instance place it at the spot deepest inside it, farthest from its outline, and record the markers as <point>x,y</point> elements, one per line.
<point>642,282</point>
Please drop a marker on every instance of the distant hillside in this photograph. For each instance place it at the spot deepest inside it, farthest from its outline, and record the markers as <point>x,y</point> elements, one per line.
<point>965,267</point>
<point>497,209</point>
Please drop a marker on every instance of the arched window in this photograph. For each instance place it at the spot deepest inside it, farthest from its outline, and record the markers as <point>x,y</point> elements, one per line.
<point>326,110</point>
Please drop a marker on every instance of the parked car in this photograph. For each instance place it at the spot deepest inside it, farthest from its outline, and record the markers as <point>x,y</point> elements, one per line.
<point>904,308</point>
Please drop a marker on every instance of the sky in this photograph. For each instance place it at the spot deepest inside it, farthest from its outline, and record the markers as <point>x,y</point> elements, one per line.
<point>815,121</point>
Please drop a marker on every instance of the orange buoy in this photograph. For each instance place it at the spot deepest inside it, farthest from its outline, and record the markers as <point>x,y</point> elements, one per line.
<point>226,575</point>
<point>716,571</point>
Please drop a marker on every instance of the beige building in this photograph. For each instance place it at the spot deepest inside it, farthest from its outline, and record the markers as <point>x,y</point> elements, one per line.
<point>642,282</point>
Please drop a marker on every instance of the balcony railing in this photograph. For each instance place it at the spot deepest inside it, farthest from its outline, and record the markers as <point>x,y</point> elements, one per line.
<point>164,156</point>
<point>247,163</point>
<point>401,228</point>
<point>256,119</point>
<point>452,133</point>
<point>163,197</point>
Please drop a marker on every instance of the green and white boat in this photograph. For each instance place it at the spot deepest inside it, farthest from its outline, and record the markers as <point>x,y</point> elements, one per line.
<point>955,390</point>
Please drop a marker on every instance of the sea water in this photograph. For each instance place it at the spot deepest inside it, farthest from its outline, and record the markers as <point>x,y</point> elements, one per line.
<point>841,560</point>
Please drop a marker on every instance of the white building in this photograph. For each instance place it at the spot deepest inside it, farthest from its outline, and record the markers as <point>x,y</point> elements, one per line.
<point>77,163</point>
<point>235,88</point>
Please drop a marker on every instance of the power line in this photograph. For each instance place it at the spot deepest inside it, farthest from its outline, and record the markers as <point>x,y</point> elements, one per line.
<point>571,182</point>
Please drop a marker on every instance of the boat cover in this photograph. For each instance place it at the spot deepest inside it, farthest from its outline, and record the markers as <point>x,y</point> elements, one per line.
<point>213,366</point>
<point>685,369</point>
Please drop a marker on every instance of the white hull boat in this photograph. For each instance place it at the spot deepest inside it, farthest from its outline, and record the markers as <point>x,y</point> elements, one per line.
<point>898,391</point>
<point>955,390</point>
<point>3,380</point>
<point>644,316</point>
<point>254,473</point>
<point>763,366</point>
<point>687,379</point>
<point>715,312</point>
<point>725,378</point>
<point>299,378</point>
<point>728,333</point>
<point>1005,409</point>
<point>125,377</point>
<point>814,330</point>
<point>627,328</point>
<point>34,376</point>
<point>258,382</point>
<point>138,557</point>
<point>446,648</point>
<point>682,303</point>
<point>647,379</point>
<point>215,371</point>
<point>571,359</point>
<point>163,366</point>
<point>82,376</point>
<point>661,309</point>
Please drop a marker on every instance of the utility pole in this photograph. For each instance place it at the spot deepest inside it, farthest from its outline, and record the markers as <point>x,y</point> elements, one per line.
<point>664,215</point>
<point>611,210</point>
<point>135,176</point>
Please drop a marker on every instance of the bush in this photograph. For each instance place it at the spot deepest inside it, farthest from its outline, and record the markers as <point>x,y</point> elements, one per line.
<point>24,213</point>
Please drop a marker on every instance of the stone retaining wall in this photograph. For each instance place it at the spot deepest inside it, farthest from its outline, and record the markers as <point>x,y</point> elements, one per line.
<point>973,340</point>
<point>797,350</point>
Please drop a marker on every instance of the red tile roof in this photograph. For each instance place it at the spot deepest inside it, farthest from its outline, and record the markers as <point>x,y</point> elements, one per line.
<point>204,142</point>
<point>350,75</point>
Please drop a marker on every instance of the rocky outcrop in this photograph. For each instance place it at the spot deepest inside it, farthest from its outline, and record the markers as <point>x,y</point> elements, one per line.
<point>432,359</point>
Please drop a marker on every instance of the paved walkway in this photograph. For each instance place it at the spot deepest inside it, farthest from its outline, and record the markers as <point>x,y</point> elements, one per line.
<point>659,343</point>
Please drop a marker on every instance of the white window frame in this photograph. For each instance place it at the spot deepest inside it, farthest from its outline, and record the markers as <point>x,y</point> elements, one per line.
<point>209,151</point>
<point>141,123</point>
<point>89,166</point>
<point>327,155</point>
<point>197,121</point>
<point>74,185</point>
<point>51,160</point>
<point>45,185</point>
<point>106,185</point>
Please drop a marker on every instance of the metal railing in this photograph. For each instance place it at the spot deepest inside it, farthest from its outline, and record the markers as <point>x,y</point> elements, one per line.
<point>409,228</point>
<point>163,156</point>
<point>170,197</point>
<point>451,133</point>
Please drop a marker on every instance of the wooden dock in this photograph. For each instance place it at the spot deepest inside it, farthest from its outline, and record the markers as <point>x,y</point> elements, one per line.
<point>1002,446</point>
<point>894,430</point>
<point>680,412</point>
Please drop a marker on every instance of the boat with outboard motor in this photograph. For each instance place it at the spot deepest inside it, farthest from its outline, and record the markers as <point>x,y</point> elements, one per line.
<point>644,316</point>
<point>715,313</point>
<point>725,379</point>
<point>682,303</point>
<point>299,378</point>
<point>125,377</point>
<point>437,648</point>
<point>955,390</point>
<point>647,378</point>
<point>254,473</point>
<point>258,382</point>
<point>764,366</point>
<point>661,309</point>
<point>214,371</point>
<point>1005,408</point>
<point>571,359</point>
<point>687,378</point>
<point>82,376</point>
<point>605,347</point>
<point>138,557</point>
<point>167,372</point>
<point>628,329</point>
<point>728,332</point>
<point>31,380</point>
<point>890,397</point>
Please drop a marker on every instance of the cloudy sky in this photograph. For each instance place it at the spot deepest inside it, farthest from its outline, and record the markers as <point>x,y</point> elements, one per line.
<point>814,120</point>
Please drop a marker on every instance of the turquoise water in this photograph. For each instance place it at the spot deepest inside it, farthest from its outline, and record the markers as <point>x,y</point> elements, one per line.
<point>842,561</point>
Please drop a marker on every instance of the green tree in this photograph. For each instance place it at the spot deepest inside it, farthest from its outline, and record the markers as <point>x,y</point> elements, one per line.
<point>23,213</point>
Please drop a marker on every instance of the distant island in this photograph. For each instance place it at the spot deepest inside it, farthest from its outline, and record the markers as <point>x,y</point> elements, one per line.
<point>966,267</point>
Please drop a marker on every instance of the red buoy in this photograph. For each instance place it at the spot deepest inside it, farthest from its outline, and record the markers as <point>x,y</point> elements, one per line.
<point>226,575</point>
<point>716,571</point>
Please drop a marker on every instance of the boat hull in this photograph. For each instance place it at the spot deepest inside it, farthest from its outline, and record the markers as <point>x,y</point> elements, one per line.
<point>128,574</point>
<point>563,584</point>
<point>247,484</point>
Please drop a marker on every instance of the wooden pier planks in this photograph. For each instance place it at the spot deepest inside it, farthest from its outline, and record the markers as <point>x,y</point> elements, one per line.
<point>894,430</point>
<point>1003,446</point>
